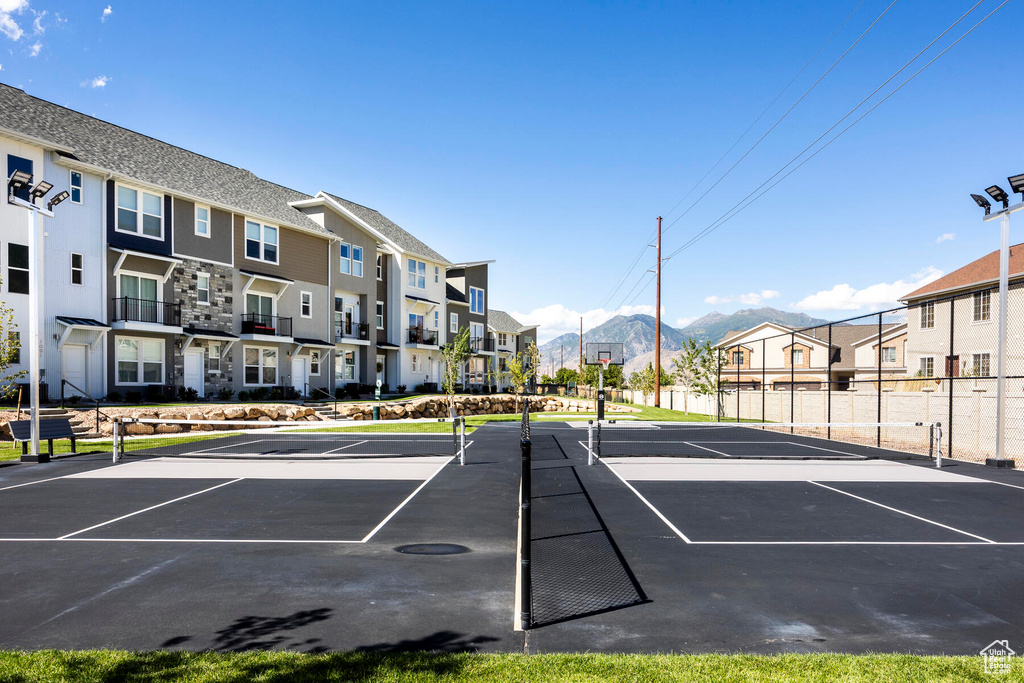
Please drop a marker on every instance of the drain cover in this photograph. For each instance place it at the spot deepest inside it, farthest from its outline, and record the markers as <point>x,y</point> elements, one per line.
<point>432,549</point>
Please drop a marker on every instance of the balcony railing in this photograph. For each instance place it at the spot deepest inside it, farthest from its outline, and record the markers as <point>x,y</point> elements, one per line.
<point>130,309</point>
<point>481,344</point>
<point>272,325</point>
<point>351,330</point>
<point>418,335</point>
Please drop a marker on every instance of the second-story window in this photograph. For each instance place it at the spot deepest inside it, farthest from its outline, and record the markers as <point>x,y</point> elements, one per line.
<point>453,323</point>
<point>17,268</point>
<point>203,288</point>
<point>380,315</point>
<point>76,187</point>
<point>476,300</point>
<point>259,305</point>
<point>77,269</point>
<point>502,339</point>
<point>417,276</point>
<point>737,358</point>
<point>928,316</point>
<point>797,356</point>
<point>437,320</point>
<point>982,306</point>
<point>306,304</point>
<point>437,275</point>
<point>345,258</point>
<point>888,354</point>
<point>260,242</point>
<point>357,261</point>
<point>203,221</point>
<point>380,266</point>
<point>139,212</point>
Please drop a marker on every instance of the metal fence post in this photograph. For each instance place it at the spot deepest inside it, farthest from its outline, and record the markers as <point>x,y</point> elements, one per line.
<point>951,365</point>
<point>718,394</point>
<point>738,390</point>
<point>526,613</point>
<point>879,420</point>
<point>828,385</point>
<point>764,376</point>
<point>462,441</point>
<point>115,433</point>
<point>792,379</point>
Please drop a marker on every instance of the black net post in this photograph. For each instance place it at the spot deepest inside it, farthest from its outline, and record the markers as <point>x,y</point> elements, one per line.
<point>828,385</point>
<point>879,407</point>
<point>526,448</point>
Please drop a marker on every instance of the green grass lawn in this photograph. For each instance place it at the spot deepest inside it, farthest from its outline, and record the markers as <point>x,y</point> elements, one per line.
<point>202,667</point>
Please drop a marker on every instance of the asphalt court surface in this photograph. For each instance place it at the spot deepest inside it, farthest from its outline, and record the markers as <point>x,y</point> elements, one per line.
<point>297,445</point>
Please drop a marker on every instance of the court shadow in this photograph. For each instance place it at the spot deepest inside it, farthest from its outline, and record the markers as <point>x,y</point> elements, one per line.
<point>264,633</point>
<point>440,641</point>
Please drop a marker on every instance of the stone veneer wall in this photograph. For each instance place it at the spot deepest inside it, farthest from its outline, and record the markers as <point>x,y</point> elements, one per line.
<point>217,316</point>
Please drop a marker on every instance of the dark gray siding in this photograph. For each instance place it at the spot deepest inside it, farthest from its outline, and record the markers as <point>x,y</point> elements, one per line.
<point>216,247</point>
<point>382,296</point>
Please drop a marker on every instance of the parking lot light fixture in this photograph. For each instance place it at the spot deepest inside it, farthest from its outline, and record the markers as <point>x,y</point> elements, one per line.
<point>983,203</point>
<point>999,194</point>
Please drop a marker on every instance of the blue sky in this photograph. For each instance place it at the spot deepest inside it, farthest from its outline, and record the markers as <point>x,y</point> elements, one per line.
<point>549,136</point>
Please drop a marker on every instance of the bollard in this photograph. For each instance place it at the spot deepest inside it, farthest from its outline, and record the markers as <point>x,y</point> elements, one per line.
<point>526,614</point>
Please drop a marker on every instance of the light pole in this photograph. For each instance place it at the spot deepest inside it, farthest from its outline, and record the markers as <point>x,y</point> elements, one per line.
<point>999,194</point>
<point>18,181</point>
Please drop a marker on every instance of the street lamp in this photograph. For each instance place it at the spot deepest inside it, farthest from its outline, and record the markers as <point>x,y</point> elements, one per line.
<point>999,194</point>
<point>19,180</point>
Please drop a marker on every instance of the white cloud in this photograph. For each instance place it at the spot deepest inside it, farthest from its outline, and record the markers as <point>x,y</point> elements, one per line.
<point>751,298</point>
<point>98,82</point>
<point>946,236</point>
<point>8,26</point>
<point>106,13</point>
<point>683,322</point>
<point>873,297</point>
<point>556,319</point>
<point>35,49</point>
<point>37,23</point>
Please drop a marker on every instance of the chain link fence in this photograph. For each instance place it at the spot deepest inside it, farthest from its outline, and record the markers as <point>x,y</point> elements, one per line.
<point>931,361</point>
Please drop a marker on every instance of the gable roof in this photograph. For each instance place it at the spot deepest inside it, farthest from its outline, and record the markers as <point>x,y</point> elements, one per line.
<point>390,230</point>
<point>982,271</point>
<point>135,156</point>
<point>503,322</point>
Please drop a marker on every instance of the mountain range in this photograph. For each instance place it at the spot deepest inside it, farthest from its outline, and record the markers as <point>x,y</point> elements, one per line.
<point>636,333</point>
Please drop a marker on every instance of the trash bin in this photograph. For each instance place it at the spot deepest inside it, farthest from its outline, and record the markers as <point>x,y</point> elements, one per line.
<point>376,412</point>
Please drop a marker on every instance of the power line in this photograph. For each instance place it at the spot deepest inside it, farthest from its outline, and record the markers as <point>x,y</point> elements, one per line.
<point>736,208</point>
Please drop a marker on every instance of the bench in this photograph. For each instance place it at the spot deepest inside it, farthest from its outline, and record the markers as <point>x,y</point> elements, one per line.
<point>49,429</point>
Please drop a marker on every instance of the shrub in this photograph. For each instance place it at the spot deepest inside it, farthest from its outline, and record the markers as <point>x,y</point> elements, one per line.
<point>260,394</point>
<point>74,400</point>
<point>225,393</point>
<point>339,392</point>
<point>134,397</point>
<point>114,397</point>
<point>188,394</point>
<point>243,396</point>
<point>401,388</point>
<point>352,390</point>
<point>276,394</point>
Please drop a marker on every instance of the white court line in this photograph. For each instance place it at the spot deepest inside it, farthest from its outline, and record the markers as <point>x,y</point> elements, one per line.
<point>38,481</point>
<point>1012,486</point>
<point>712,450</point>
<point>923,519</point>
<point>139,512</point>
<point>655,510</point>
<point>174,540</point>
<point>403,503</point>
<point>335,450</point>
<point>896,543</point>
<point>217,448</point>
<point>830,450</point>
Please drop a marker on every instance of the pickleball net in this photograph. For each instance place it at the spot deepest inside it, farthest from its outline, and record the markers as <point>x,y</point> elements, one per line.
<point>286,440</point>
<point>766,441</point>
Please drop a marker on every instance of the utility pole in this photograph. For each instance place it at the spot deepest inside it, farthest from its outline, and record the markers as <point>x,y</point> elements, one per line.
<point>581,346</point>
<point>561,363</point>
<point>657,328</point>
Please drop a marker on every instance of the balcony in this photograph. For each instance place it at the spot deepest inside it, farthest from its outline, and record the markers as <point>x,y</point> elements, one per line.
<point>266,325</point>
<point>127,311</point>
<point>422,337</point>
<point>481,345</point>
<point>349,331</point>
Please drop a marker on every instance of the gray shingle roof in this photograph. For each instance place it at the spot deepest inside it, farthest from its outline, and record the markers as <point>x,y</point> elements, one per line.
<point>147,160</point>
<point>503,322</point>
<point>382,224</point>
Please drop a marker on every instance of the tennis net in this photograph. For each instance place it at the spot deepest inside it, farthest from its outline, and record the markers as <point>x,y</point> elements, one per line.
<point>241,439</point>
<point>768,441</point>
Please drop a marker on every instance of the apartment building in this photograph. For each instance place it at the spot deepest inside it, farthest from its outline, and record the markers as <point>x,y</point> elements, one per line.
<point>466,298</point>
<point>510,337</point>
<point>166,270</point>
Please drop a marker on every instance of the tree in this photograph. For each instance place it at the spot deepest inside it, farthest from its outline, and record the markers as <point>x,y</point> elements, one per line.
<point>698,369</point>
<point>10,350</point>
<point>454,354</point>
<point>546,379</point>
<point>643,381</point>
<point>613,376</point>
<point>519,374</point>
<point>688,369</point>
<point>566,376</point>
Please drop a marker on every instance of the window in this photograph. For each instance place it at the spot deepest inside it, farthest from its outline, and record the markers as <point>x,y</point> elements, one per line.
<point>202,221</point>
<point>260,242</point>
<point>888,354</point>
<point>306,304</point>
<point>357,261</point>
<point>140,361</point>
<point>138,287</point>
<point>314,362</point>
<point>437,320</point>
<point>259,304</point>
<point>927,367</point>
<point>345,366</point>
<point>203,288</point>
<point>19,164</point>
<point>350,365</point>
<point>476,370</point>
<point>415,321</point>
<point>982,306</point>
<point>453,323</point>
<point>339,315</point>
<point>737,358</point>
<point>76,269</point>
<point>982,365</point>
<point>476,300</point>
<point>417,364</point>
<point>213,361</point>
<point>14,344</point>
<point>345,258</point>
<point>502,339</point>
<point>417,276</point>
<point>17,268</point>
<point>476,331</point>
<point>928,316</point>
<point>76,187</point>
<point>380,266</point>
<point>140,215</point>
<point>260,366</point>
<point>797,356</point>
<point>380,315</point>
<point>437,275</point>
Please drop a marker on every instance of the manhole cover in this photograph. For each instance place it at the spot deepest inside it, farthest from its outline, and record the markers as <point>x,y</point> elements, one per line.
<point>432,549</point>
